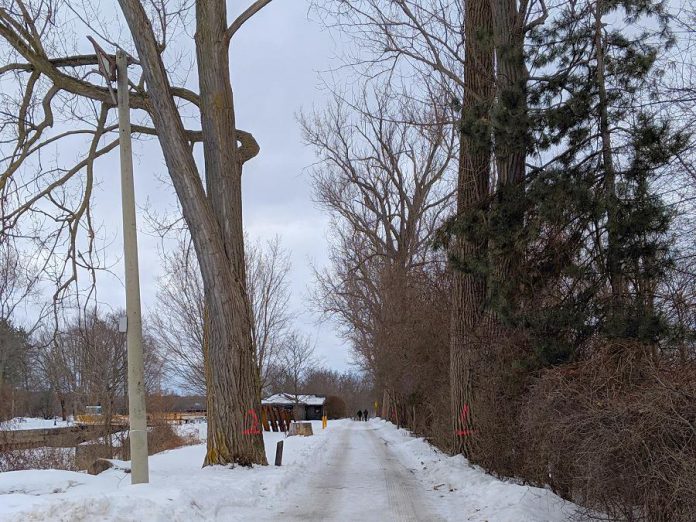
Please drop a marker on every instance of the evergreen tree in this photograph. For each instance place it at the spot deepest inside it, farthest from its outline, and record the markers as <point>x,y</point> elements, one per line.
<point>600,150</point>
<point>595,240</point>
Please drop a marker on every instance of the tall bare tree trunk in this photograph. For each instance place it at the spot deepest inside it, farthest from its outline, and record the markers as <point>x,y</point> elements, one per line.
<point>499,386</point>
<point>214,221</point>
<point>224,187</point>
<point>510,116</point>
<point>469,288</point>
<point>510,133</point>
<point>63,412</point>
<point>613,266</point>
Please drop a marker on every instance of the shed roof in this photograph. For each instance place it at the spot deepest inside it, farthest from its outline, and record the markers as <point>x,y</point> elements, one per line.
<point>289,399</point>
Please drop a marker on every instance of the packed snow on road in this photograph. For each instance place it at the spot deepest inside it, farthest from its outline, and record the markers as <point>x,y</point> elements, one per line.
<point>366,471</point>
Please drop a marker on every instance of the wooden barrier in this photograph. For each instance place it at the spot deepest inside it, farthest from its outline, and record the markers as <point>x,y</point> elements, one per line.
<point>275,419</point>
<point>51,437</point>
<point>301,428</point>
<point>91,426</point>
<point>98,420</point>
<point>152,418</point>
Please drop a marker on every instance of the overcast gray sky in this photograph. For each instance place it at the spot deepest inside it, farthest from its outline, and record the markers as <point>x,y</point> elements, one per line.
<point>275,63</point>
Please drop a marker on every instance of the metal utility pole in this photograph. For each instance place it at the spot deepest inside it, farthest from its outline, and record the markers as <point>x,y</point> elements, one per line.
<point>134,327</point>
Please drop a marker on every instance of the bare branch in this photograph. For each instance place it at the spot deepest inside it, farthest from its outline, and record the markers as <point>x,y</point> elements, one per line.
<point>246,15</point>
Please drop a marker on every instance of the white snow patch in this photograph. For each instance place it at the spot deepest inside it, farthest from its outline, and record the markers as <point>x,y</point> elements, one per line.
<point>179,489</point>
<point>35,423</point>
<point>465,492</point>
<point>288,399</point>
<point>198,430</point>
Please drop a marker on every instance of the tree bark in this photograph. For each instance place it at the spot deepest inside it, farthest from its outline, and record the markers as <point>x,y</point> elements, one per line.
<point>510,118</point>
<point>214,223</point>
<point>510,132</point>
<point>613,265</point>
<point>469,287</point>
<point>223,170</point>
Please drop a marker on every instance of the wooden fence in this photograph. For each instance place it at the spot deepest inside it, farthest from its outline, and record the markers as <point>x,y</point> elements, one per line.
<point>275,419</point>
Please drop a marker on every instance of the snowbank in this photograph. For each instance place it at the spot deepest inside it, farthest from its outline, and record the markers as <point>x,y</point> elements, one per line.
<point>179,489</point>
<point>465,492</point>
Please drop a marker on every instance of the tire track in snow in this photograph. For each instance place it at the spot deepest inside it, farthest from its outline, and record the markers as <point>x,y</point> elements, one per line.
<point>406,501</point>
<point>359,478</point>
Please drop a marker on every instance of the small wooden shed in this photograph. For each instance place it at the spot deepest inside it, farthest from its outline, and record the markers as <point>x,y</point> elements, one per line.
<point>303,407</point>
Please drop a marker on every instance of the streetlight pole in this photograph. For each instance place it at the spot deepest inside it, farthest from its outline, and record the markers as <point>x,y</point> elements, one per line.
<point>134,327</point>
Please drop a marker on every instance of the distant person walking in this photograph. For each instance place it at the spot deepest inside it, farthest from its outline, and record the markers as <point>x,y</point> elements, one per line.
<point>359,415</point>
<point>365,414</point>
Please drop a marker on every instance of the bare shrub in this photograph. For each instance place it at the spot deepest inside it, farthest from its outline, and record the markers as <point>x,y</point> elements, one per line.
<point>161,437</point>
<point>38,458</point>
<point>335,407</point>
<point>617,433</point>
<point>411,355</point>
<point>434,418</point>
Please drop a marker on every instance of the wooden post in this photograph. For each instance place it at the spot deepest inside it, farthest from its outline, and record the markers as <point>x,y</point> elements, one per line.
<point>279,453</point>
<point>274,420</point>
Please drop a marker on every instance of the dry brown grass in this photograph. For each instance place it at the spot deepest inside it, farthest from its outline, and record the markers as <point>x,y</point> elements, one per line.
<point>617,433</point>
<point>160,437</point>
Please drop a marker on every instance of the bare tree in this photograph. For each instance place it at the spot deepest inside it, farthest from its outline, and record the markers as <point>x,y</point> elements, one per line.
<point>60,364</point>
<point>178,323</point>
<point>85,362</point>
<point>296,361</point>
<point>18,284</point>
<point>50,85</point>
<point>355,389</point>
<point>421,40</point>
<point>384,175</point>
<point>268,266</point>
<point>17,289</point>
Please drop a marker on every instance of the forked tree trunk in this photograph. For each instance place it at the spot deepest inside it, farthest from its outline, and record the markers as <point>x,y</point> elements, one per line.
<point>469,289</point>
<point>506,214</point>
<point>215,225</point>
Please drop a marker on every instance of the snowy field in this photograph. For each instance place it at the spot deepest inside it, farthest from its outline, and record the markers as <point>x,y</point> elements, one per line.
<point>32,423</point>
<point>352,470</point>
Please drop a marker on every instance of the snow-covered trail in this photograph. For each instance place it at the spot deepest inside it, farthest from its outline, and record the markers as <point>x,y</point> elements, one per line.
<point>363,471</point>
<point>359,478</point>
